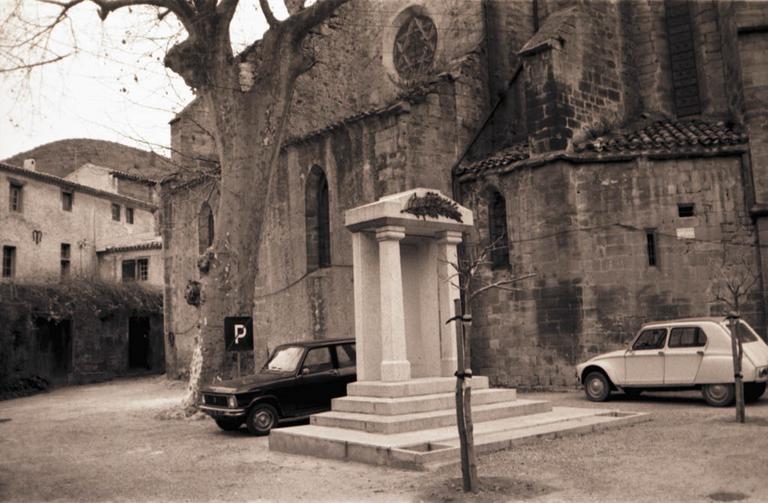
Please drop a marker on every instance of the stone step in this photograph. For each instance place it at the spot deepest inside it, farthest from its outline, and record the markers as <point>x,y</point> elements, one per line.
<point>428,449</point>
<point>422,403</point>
<point>503,434</point>
<point>422,386</point>
<point>425,420</point>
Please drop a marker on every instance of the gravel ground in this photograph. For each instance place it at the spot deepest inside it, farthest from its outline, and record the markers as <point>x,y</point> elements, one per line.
<point>110,442</point>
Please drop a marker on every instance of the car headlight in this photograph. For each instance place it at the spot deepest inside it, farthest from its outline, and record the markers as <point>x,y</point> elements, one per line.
<point>232,401</point>
<point>762,372</point>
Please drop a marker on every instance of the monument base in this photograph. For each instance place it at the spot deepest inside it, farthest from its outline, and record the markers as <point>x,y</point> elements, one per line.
<point>412,424</point>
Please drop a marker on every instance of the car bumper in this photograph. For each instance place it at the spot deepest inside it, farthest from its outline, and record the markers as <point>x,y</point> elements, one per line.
<point>216,412</point>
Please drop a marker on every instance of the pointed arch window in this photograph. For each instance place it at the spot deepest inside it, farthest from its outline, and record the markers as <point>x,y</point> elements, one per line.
<point>318,222</point>
<point>205,227</point>
<point>497,229</point>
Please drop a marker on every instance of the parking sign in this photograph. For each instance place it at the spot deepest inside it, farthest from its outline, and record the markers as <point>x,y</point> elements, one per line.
<point>238,333</point>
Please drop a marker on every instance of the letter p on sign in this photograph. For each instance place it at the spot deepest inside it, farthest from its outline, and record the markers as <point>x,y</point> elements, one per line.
<point>240,332</point>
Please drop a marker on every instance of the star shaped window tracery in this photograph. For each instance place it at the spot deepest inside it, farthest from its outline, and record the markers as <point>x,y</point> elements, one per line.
<point>415,46</point>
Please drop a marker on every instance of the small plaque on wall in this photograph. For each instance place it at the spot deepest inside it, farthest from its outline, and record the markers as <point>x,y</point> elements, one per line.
<point>686,233</point>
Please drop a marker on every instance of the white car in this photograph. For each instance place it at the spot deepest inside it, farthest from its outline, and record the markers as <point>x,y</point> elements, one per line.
<point>692,353</point>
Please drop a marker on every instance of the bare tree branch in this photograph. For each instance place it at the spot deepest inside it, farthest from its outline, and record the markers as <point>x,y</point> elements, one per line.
<point>500,284</point>
<point>309,17</point>
<point>268,14</point>
<point>29,66</point>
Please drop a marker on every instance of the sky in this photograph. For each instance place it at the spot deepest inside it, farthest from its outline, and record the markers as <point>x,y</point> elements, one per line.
<point>111,86</point>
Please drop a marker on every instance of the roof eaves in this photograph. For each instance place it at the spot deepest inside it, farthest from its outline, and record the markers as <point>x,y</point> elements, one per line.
<point>62,182</point>
<point>401,104</point>
<point>596,157</point>
<point>132,177</point>
<point>150,245</point>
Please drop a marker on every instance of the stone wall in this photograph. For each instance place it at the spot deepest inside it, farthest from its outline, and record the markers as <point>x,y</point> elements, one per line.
<point>371,133</point>
<point>181,209</point>
<point>111,263</point>
<point>87,343</point>
<point>573,76</point>
<point>581,229</point>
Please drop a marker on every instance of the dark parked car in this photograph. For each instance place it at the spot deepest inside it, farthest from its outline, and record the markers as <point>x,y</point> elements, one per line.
<point>298,380</point>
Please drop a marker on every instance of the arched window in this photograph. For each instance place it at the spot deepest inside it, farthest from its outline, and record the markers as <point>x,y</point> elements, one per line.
<point>205,227</point>
<point>415,45</point>
<point>318,222</point>
<point>497,228</point>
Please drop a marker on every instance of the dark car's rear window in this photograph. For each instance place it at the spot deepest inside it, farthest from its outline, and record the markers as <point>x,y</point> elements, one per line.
<point>346,355</point>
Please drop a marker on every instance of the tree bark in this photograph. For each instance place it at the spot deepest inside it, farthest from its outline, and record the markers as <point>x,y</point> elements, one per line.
<point>738,383</point>
<point>464,407</point>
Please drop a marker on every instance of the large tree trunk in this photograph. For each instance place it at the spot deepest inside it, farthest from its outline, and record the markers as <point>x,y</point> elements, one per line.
<point>248,128</point>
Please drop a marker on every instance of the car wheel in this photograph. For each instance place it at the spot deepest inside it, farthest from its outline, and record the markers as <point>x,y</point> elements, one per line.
<point>632,392</point>
<point>718,395</point>
<point>229,423</point>
<point>753,391</point>
<point>597,387</point>
<point>261,418</point>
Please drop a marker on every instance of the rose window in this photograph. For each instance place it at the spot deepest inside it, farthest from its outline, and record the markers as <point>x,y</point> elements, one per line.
<point>415,45</point>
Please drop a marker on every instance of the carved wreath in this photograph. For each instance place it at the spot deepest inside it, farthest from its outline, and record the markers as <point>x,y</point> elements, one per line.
<point>432,205</point>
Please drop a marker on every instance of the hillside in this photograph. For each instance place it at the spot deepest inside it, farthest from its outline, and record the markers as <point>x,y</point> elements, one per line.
<point>62,157</point>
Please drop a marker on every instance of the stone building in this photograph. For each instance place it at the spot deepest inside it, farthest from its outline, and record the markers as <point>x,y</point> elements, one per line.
<point>64,240</point>
<point>614,150</point>
<point>79,226</point>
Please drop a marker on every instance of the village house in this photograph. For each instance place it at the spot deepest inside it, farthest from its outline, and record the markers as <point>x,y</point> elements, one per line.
<point>613,150</point>
<point>82,274</point>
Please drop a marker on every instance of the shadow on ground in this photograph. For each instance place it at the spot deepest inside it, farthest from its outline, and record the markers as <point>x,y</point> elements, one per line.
<point>491,489</point>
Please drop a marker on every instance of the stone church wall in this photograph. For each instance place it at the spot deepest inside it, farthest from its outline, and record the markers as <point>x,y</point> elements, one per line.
<point>576,71</point>
<point>581,229</point>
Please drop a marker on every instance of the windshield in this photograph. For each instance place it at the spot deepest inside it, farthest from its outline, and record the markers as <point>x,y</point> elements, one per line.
<point>746,333</point>
<point>285,359</point>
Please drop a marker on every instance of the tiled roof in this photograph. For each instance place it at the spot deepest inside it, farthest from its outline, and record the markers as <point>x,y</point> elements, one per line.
<point>503,157</point>
<point>668,135</point>
<point>156,244</point>
<point>131,176</point>
<point>68,184</point>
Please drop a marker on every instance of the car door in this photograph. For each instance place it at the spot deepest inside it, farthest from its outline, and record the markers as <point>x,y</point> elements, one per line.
<point>644,361</point>
<point>684,353</point>
<point>316,381</point>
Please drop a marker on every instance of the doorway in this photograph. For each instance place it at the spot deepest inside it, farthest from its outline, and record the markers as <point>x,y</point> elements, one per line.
<point>54,342</point>
<point>138,343</point>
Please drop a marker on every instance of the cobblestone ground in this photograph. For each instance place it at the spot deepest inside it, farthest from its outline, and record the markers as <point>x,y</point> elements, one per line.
<point>108,442</point>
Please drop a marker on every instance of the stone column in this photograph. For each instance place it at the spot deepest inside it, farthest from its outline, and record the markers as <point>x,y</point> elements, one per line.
<point>365,272</point>
<point>447,291</point>
<point>394,362</point>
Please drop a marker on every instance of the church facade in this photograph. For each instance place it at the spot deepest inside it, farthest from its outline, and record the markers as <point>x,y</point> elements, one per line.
<point>613,154</point>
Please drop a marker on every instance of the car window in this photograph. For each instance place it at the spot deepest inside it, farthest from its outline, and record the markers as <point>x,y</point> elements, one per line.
<point>318,360</point>
<point>746,334</point>
<point>285,359</point>
<point>651,339</point>
<point>346,355</point>
<point>687,337</point>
